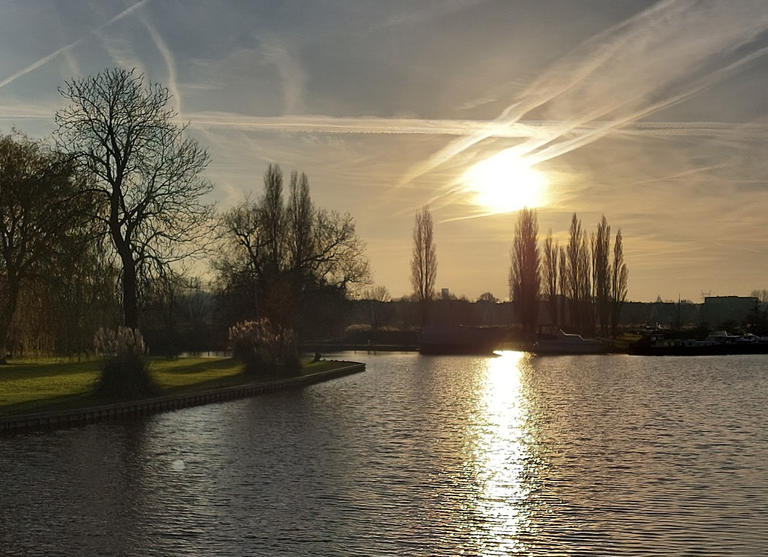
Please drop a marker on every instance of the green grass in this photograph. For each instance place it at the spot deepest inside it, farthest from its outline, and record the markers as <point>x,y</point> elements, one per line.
<point>50,384</point>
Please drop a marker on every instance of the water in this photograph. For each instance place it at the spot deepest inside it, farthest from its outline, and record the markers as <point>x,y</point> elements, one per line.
<point>589,455</point>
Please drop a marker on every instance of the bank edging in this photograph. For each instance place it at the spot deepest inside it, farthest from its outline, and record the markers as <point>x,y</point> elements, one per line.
<point>138,408</point>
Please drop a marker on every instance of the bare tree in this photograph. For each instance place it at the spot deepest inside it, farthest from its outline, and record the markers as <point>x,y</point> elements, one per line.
<point>551,276</point>
<point>601,273</point>
<point>579,278</point>
<point>289,252</point>
<point>301,216</point>
<point>375,302</point>
<point>524,274</point>
<point>241,258</point>
<point>274,218</point>
<point>587,309</point>
<point>147,173</point>
<point>619,281</point>
<point>563,285</point>
<point>574,273</point>
<point>42,213</point>
<point>424,262</point>
<point>761,295</point>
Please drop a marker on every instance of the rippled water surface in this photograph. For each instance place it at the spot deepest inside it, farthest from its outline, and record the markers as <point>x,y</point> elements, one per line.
<point>602,455</point>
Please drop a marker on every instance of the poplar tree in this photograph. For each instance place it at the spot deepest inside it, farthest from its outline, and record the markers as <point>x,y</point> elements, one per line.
<point>619,281</point>
<point>601,273</point>
<point>564,285</point>
<point>524,274</point>
<point>424,262</point>
<point>551,276</point>
<point>586,311</point>
<point>574,278</point>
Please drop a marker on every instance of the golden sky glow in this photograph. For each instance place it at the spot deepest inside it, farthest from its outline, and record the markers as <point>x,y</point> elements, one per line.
<point>651,112</point>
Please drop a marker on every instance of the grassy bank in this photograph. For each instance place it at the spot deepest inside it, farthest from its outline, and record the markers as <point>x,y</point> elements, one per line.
<point>47,385</point>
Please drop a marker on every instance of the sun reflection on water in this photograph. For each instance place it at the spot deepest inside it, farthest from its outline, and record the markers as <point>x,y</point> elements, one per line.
<point>502,448</point>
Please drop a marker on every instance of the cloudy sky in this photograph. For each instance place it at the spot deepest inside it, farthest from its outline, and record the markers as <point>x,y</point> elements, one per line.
<point>654,113</point>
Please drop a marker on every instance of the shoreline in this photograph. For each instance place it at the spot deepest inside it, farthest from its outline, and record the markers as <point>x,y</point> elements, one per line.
<point>23,423</point>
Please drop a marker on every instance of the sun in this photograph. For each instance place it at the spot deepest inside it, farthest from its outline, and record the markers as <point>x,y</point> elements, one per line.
<point>504,183</point>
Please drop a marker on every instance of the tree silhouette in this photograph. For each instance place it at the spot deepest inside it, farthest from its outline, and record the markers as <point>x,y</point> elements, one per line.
<point>376,308</point>
<point>619,281</point>
<point>292,254</point>
<point>424,262</point>
<point>487,297</point>
<point>524,275</point>
<point>147,173</point>
<point>601,273</point>
<point>551,276</point>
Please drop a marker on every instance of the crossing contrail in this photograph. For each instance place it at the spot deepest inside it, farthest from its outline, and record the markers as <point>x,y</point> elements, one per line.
<point>652,61</point>
<point>70,46</point>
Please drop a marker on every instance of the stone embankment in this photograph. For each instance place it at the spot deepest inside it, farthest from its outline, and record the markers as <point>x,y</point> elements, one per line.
<point>138,408</point>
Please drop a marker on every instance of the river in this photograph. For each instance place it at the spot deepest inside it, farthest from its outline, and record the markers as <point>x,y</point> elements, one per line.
<point>583,455</point>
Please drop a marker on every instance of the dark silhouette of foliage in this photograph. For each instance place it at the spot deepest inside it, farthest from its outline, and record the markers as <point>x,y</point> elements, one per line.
<point>263,348</point>
<point>42,218</point>
<point>487,297</point>
<point>124,372</point>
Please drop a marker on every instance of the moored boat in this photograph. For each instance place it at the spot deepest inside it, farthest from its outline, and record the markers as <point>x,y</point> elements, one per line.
<point>552,340</point>
<point>716,344</point>
<point>449,339</point>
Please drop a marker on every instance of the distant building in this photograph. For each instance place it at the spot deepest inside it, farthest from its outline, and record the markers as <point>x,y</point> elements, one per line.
<point>445,294</point>
<point>721,309</point>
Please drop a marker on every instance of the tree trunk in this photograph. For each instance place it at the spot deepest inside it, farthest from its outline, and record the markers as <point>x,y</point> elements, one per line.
<point>6,318</point>
<point>130,297</point>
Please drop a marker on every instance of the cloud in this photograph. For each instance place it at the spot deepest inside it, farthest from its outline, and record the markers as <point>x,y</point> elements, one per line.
<point>121,51</point>
<point>70,46</point>
<point>428,12</point>
<point>641,66</point>
<point>170,63</point>
<point>292,75</point>
<point>529,129</point>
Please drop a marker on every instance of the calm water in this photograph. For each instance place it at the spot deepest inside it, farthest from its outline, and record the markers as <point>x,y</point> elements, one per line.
<point>602,455</point>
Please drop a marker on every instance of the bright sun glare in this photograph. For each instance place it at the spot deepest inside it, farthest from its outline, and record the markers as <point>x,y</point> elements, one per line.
<point>504,183</point>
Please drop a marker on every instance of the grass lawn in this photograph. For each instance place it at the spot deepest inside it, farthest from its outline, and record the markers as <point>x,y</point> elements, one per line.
<point>28,386</point>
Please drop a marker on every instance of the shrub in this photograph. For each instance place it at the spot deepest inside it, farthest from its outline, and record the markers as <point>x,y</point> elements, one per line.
<point>124,370</point>
<point>264,348</point>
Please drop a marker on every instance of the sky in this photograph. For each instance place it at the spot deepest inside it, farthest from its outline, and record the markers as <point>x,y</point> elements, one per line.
<point>652,113</point>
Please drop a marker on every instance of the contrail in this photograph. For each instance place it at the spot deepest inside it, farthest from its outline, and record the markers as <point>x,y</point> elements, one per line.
<point>169,62</point>
<point>71,45</point>
<point>547,87</point>
<point>653,60</point>
<point>707,81</point>
<point>535,133</point>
